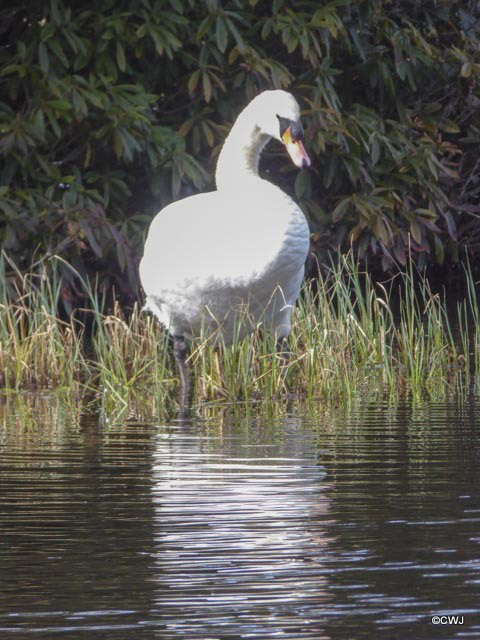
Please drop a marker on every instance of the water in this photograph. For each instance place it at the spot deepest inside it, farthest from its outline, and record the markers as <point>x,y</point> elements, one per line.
<point>292,522</point>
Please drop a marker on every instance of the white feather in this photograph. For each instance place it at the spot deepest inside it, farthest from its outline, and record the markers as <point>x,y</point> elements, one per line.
<point>208,256</point>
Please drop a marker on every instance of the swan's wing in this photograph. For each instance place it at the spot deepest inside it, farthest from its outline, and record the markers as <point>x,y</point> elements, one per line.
<point>213,240</point>
<point>175,244</point>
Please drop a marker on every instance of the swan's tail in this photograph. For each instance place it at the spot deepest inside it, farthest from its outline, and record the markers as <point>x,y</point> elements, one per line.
<point>154,306</point>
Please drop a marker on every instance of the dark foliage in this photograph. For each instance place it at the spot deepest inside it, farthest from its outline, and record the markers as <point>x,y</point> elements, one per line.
<point>110,110</point>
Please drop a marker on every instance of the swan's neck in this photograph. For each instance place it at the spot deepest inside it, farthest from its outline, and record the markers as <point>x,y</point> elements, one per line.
<point>240,154</point>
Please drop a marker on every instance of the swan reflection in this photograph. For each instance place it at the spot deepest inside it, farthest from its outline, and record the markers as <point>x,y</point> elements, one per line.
<point>240,532</point>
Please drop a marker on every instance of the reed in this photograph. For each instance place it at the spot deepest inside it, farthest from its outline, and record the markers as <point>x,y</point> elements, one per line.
<point>348,334</point>
<point>37,349</point>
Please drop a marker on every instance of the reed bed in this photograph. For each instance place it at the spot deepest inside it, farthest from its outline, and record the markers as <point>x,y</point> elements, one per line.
<point>348,334</point>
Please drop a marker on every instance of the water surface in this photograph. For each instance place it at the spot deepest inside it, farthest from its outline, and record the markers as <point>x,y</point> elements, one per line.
<point>288,522</point>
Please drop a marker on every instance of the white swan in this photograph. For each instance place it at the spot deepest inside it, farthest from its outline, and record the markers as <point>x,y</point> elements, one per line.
<point>210,254</point>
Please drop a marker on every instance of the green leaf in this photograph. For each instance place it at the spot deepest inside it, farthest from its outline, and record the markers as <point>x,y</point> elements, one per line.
<point>60,105</point>
<point>193,81</point>
<point>205,26</point>
<point>329,173</point>
<point>277,5</point>
<point>142,30</point>
<point>416,231</point>
<point>340,210</point>
<point>176,181</point>
<point>122,260</point>
<point>55,12</point>
<point>375,151</point>
<point>177,5</point>
<point>79,104</point>
<point>236,35</point>
<point>157,39</point>
<point>426,212</point>
<point>302,182</point>
<point>466,70</point>
<point>452,229</point>
<point>121,61</point>
<point>439,250</point>
<point>358,43</point>
<point>39,124</point>
<point>117,144</point>
<point>381,231</point>
<point>432,107</point>
<point>22,50</point>
<point>207,87</point>
<point>54,123</point>
<point>292,43</point>
<point>266,29</point>
<point>221,34</point>
<point>43,57</point>
<point>47,32</point>
<point>208,134</point>
<point>399,251</point>
<point>186,127</point>
<point>56,47</point>
<point>11,68</point>
<point>92,241</point>
<point>449,126</point>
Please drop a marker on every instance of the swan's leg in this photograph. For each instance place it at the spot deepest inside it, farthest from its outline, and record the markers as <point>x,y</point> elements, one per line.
<point>180,352</point>
<point>283,350</point>
<point>283,354</point>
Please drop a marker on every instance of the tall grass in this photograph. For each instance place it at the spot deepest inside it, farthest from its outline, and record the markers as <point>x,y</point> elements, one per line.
<point>348,334</point>
<point>37,349</point>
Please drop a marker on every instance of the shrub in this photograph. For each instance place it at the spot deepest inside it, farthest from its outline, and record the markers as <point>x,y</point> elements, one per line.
<point>110,111</point>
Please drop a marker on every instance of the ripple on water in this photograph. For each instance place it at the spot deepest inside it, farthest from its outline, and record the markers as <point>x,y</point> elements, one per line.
<point>359,524</point>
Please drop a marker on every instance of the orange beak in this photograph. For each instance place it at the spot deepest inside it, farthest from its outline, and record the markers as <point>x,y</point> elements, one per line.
<point>296,150</point>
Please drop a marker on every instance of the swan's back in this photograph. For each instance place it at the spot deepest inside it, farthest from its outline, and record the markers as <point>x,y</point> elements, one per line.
<point>212,237</point>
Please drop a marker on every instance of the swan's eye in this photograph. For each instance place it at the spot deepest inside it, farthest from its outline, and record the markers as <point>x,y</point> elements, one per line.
<point>297,131</point>
<point>284,124</point>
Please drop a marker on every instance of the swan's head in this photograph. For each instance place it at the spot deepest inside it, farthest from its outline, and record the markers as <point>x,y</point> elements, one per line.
<point>278,116</point>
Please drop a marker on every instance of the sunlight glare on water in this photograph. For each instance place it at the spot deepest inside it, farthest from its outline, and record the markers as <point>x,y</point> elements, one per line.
<point>241,536</point>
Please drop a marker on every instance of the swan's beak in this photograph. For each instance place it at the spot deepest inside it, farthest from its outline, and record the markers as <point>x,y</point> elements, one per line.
<point>296,150</point>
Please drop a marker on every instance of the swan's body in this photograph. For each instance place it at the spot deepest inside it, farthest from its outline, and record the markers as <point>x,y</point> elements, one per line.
<point>244,245</point>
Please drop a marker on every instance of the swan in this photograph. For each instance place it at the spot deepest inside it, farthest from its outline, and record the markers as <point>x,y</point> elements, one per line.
<point>210,255</point>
